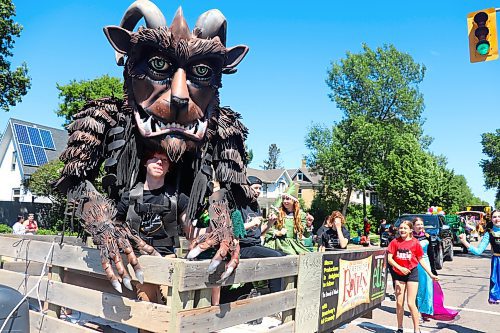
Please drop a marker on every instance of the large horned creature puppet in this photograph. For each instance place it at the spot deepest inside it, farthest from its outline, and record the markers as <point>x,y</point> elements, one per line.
<point>171,104</point>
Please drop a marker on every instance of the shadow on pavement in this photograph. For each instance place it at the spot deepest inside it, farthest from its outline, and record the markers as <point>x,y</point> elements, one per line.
<point>456,328</point>
<point>372,327</point>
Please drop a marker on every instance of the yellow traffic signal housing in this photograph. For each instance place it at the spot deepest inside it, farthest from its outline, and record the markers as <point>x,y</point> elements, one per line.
<point>483,39</point>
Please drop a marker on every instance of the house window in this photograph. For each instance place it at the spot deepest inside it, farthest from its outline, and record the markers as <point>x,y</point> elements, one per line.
<point>264,189</point>
<point>300,176</point>
<point>358,195</point>
<point>16,194</point>
<point>374,199</point>
<point>13,165</point>
<point>300,193</point>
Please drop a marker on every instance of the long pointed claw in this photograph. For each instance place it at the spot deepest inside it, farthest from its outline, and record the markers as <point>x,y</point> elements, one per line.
<point>194,252</point>
<point>126,283</point>
<point>116,284</point>
<point>139,274</point>
<point>226,274</point>
<point>213,265</point>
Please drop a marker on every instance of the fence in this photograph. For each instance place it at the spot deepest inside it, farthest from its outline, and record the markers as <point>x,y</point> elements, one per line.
<point>76,281</point>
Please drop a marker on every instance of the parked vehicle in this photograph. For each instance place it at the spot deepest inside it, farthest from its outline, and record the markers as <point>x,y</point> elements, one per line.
<point>440,232</point>
<point>388,234</point>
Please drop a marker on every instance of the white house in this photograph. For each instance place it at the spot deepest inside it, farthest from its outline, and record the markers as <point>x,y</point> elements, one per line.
<point>274,183</point>
<point>24,147</point>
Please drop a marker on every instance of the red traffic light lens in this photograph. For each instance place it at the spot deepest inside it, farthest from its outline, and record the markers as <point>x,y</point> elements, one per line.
<point>480,19</point>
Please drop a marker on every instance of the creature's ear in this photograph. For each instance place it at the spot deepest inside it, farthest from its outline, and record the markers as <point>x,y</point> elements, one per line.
<point>234,56</point>
<point>119,39</point>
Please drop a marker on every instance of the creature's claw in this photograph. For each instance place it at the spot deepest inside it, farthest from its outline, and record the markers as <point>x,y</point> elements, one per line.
<point>226,274</point>
<point>116,284</point>
<point>213,265</point>
<point>139,274</point>
<point>194,252</point>
<point>126,283</point>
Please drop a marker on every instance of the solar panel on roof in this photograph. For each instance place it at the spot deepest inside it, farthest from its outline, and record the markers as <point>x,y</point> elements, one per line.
<point>22,134</point>
<point>40,155</point>
<point>35,138</point>
<point>27,154</point>
<point>47,140</point>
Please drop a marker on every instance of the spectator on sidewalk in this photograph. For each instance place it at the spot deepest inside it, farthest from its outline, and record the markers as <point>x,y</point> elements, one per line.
<point>19,228</point>
<point>31,225</point>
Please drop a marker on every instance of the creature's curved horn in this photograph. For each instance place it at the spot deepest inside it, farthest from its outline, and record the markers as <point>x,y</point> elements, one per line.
<point>137,10</point>
<point>210,24</point>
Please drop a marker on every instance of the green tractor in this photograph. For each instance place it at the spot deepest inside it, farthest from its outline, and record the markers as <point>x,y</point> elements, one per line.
<point>457,227</point>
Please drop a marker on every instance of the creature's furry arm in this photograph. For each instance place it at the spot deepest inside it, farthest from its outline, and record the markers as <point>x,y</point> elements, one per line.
<point>98,132</point>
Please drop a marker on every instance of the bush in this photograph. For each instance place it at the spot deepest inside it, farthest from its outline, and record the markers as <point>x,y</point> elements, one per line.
<point>5,229</point>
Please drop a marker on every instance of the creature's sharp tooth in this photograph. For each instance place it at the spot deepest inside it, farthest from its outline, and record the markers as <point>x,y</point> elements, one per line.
<point>147,125</point>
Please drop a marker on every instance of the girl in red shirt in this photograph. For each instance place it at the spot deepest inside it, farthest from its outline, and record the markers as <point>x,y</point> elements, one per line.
<point>404,255</point>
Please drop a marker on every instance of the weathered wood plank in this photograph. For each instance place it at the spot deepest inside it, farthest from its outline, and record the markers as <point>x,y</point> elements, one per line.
<point>157,270</point>
<point>215,318</point>
<point>308,292</point>
<point>145,315</point>
<point>56,274</point>
<point>43,323</point>
<point>70,240</point>
<point>289,284</point>
<point>284,328</point>
<point>194,273</point>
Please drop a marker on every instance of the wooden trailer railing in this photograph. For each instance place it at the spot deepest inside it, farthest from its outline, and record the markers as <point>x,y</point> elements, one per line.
<point>76,281</point>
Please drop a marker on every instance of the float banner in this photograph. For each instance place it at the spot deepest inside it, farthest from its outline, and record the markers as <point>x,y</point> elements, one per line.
<point>352,284</point>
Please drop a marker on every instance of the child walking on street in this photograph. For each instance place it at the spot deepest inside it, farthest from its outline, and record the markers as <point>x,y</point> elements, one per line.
<point>404,255</point>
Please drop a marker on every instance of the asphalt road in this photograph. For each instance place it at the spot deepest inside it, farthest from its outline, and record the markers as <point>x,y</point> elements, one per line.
<point>465,283</point>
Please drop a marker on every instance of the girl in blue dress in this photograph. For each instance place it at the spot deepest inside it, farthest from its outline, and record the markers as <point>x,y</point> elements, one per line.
<point>492,237</point>
<point>430,297</point>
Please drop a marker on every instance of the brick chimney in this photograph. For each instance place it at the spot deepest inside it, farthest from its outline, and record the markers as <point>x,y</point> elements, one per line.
<point>303,163</point>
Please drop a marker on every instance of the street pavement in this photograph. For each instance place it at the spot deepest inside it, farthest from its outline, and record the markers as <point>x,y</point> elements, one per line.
<point>465,283</point>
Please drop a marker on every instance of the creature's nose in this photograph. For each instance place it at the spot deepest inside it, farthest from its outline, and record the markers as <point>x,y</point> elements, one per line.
<point>179,99</point>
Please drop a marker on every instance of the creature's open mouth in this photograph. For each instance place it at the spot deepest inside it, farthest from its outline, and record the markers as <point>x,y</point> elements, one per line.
<point>149,126</point>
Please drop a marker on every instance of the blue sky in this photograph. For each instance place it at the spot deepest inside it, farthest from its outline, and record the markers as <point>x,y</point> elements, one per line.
<point>280,86</point>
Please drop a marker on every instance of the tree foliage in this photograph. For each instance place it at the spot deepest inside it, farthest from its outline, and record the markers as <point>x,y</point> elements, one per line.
<point>273,160</point>
<point>75,94</point>
<point>381,84</point>
<point>380,144</point>
<point>40,182</point>
<point>14,83</point>
<point>491,165</point>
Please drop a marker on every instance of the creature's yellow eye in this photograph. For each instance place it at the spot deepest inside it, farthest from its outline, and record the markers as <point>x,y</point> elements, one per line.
<point>202,71</point>
<point>158,64</point>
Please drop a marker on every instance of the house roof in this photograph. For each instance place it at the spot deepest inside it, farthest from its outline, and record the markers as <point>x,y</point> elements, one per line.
<point>267,176</point>
<point>59,136</point>
<point>309,176</point>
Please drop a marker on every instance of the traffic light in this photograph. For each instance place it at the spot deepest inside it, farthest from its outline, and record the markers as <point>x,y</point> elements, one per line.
<point>483,40</point>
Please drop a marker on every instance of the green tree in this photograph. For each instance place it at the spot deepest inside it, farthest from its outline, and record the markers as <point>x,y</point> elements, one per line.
<point>249,154</point>
<point>14,84</point>
<point>273,160</point>
<point>491,165</point>
<point>406,181</point>
<point>40,182</point>
<point>381,84</point>
<point>75,94</point>
<point>344,155</point>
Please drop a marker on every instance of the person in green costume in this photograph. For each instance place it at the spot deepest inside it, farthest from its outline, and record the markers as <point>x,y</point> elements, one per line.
<point>288,227</point>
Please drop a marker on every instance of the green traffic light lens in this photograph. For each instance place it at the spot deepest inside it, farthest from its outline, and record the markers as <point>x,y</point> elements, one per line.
<point>483,48</point>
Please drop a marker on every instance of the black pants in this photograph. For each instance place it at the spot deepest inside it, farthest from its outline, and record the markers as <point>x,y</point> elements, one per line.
<point>259,251</point>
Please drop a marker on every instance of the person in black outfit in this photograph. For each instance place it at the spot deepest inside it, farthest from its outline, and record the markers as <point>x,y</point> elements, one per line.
<point>335,236</point>
<point>154,210</point>
<point>250,246</point>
